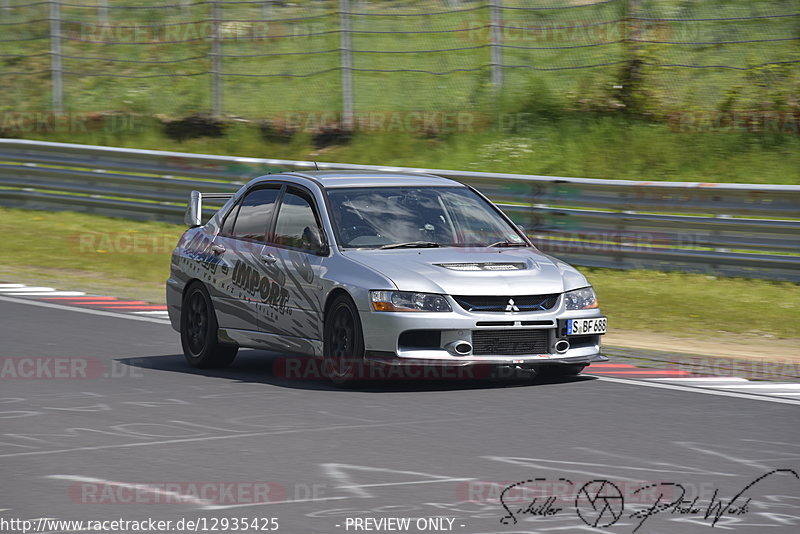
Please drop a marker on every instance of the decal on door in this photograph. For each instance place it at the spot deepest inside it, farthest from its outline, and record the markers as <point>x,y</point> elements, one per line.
<point>199,249</point>
<point>268,290</point>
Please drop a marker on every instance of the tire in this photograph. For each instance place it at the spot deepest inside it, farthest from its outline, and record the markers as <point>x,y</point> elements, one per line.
<point>343,342</point>
<point>561,369</point>
<point>201,346</point>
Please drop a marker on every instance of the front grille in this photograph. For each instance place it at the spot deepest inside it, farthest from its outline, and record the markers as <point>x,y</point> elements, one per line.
<point>509,342</point>
<point>523,303</point>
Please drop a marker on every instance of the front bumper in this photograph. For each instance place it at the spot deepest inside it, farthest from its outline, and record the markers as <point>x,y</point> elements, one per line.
<point>384,334</point>
<point>516,363</point>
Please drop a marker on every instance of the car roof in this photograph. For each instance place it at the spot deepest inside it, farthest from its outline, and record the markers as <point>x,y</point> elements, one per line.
<point>336,179</point>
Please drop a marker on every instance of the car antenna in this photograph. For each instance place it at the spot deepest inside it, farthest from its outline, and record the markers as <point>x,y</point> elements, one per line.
<point>316,166</point>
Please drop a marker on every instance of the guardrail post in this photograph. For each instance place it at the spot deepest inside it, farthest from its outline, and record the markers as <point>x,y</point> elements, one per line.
<point>346,59</point>
<point>496,26</point>
<point>56,69</point>
<point>216,61</point>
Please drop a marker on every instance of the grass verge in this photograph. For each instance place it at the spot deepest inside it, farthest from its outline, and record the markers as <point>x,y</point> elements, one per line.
<point>88,252</point>
<point>131,259</point>
<point>590,145</point>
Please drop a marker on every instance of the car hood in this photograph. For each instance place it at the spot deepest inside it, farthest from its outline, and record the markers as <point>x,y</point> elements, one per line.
<point>421,270</point>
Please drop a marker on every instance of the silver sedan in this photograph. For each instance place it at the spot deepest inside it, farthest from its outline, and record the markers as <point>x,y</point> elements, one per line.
<point>384,269</point>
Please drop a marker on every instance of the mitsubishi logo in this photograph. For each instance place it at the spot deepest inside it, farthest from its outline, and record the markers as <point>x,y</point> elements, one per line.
<point>511,307</point>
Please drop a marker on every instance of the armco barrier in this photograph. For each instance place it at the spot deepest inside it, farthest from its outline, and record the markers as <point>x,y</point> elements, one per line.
<point>728,229</point>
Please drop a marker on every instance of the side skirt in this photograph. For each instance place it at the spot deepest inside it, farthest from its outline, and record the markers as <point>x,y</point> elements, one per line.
<point>274,342</point>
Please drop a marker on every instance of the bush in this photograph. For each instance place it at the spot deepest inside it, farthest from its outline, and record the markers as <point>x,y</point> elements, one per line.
<point>194,126</point>
<point>274,132</point>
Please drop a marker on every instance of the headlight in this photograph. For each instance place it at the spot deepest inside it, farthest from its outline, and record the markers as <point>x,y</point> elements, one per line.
<point>581,299</point>
<point>408,301</point>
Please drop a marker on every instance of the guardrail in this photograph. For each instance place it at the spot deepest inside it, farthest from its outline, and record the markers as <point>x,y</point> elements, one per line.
<point>698,227</point>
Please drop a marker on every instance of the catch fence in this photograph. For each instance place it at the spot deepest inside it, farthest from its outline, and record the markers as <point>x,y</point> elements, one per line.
<point>259,59</point>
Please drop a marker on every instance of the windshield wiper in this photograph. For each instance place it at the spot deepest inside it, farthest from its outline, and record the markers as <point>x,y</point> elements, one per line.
<point>412,244</point>
<point>507,244</point>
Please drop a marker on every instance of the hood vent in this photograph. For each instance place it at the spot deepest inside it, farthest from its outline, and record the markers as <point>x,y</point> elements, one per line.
<point>483,266</point>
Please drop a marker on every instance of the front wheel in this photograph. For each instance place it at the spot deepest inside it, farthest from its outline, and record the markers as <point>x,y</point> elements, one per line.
<point>344,341</point>
<point>201,347</point>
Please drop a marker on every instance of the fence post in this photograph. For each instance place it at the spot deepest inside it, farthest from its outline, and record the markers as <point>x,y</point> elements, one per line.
<point>632,73</point>
<point>497,40</point>
<point>633,27</point>
<point>266,9</point>
<point>216,61</point>
<point>56,69</point>
<point>102,11</point>
<point>346,59</point>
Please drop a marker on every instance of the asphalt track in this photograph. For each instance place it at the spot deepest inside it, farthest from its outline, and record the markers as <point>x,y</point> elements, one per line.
<point>134,433</point>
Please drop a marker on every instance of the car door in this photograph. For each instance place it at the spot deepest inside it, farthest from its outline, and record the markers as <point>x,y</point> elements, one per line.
<point>295,245</point>
<point>242,282</point>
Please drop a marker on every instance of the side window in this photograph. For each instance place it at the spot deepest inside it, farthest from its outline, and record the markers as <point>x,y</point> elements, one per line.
<point>227,225</point>
<point>297,225</point>
<point>255,212</point>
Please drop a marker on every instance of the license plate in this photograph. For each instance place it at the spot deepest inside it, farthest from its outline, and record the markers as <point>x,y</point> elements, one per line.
<point>586,327</point>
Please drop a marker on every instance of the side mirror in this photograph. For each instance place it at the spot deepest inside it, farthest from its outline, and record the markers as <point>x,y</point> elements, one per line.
<point>194,210</point>
<point>313,237</point>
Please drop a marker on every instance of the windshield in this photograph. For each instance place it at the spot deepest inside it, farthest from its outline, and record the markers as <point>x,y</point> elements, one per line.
<point>395,217</point>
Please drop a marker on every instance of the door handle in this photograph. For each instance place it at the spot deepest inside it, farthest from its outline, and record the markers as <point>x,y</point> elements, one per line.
<point>268,259</point>
<point>218,249</point>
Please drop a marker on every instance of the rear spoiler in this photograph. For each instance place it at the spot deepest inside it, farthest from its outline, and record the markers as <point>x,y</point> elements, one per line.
<point>194,210</point>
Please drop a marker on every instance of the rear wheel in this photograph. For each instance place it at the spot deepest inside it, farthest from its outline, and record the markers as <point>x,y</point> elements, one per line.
<point>201,347</point>
<point>344,341</point>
